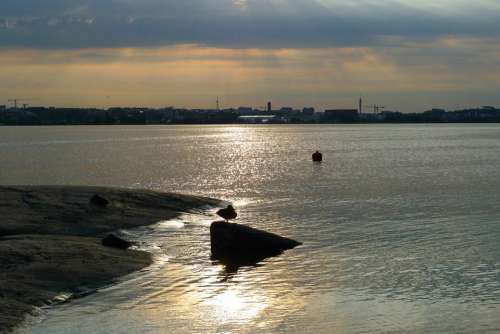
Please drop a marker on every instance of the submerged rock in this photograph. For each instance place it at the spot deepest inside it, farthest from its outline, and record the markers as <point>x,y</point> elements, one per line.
<point>111,240</point>
<point>242,244</point>
<point>99,201</point>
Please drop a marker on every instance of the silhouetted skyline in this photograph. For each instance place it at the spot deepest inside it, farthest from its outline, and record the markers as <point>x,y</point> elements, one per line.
<point>241,115</point>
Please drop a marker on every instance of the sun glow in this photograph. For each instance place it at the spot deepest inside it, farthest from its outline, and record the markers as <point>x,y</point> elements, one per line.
<point>233,306</point>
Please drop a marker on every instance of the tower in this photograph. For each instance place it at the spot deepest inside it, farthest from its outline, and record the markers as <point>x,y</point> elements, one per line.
<point>360,110</point>
<point>269,106</point>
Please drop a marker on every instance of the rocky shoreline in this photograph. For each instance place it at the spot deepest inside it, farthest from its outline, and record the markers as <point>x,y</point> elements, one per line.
<point>50,240</point>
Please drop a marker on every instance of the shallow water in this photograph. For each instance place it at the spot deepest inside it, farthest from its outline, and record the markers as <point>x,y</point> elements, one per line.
<point>400,226</point>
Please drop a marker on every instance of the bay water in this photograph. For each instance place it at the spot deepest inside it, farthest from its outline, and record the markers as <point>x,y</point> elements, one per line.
<point>400,226</point>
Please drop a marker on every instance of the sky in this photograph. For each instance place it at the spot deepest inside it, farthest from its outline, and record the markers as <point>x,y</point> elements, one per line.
<point>404,55</point>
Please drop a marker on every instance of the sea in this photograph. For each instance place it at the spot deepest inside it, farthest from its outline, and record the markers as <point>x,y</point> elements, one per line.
<point>400,226</point>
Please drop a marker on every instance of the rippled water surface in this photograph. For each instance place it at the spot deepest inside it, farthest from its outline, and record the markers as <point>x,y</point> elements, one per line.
<point>400,224</point>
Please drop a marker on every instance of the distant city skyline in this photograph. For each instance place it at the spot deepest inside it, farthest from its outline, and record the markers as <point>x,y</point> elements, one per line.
<point>404,55</point>
<point>218,104</point>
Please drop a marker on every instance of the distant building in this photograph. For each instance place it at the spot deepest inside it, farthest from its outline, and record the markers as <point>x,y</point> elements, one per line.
<point>255,119</point>
<point>269,107</point>
<point>340,115</point>
<point>245,110</point>
<point>308,111</point>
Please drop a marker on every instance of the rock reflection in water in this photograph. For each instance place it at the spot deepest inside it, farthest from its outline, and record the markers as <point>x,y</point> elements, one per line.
<point>232,264</point>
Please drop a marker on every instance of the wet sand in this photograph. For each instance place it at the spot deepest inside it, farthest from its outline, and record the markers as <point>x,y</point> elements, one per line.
<point>50,241</point>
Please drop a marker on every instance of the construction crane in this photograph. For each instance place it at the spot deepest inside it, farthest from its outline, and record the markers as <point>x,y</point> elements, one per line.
<point>17,100</point>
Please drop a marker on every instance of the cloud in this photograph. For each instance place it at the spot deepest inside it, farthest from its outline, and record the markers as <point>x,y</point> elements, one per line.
<point>74,24</point>
<point>414,77</point>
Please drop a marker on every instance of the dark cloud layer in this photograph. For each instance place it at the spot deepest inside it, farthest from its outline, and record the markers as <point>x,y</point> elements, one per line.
<point>238,23</point>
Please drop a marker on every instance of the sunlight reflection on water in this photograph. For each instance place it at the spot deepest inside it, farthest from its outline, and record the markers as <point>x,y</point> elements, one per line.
<point>231,306</point>
<point>175,224</point>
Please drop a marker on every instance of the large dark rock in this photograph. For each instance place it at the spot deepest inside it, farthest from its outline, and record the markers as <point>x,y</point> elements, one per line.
<point>111,240</point>
<point>242,245</point>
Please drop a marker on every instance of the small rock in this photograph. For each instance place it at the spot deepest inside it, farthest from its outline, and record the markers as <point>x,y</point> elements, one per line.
<point>114,241</point>
<point>99,201</point>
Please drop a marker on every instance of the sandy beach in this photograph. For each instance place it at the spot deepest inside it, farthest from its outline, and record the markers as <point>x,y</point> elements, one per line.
<point>50,241</point>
